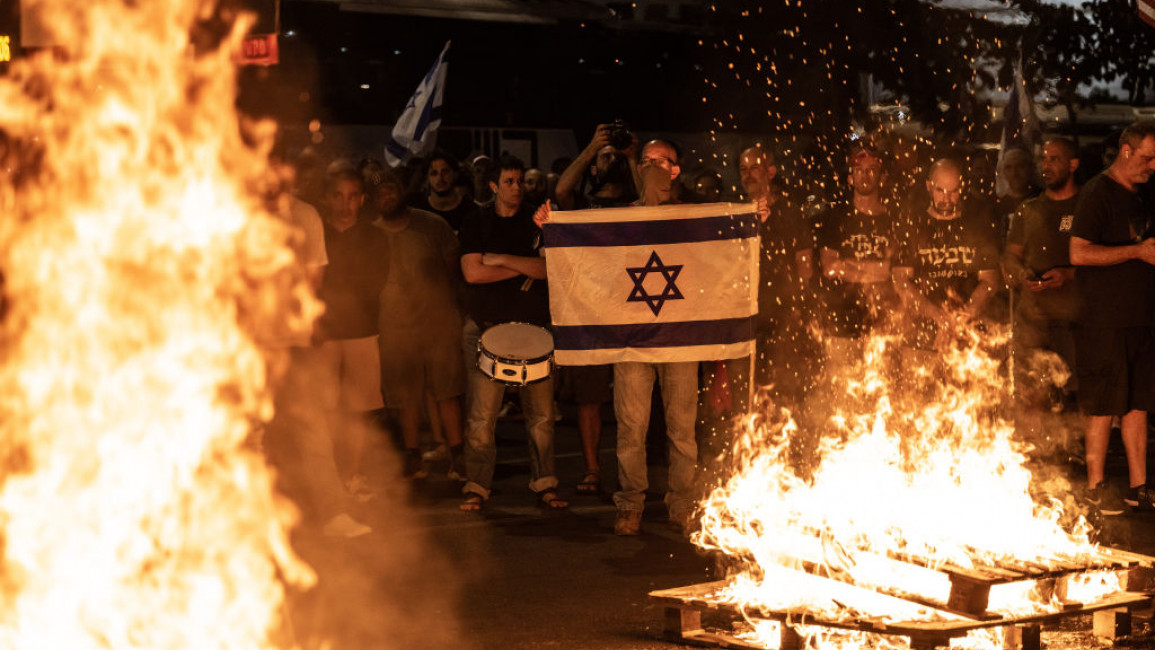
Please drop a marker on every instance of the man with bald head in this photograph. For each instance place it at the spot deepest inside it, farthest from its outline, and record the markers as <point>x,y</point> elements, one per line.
<point>785,269</point>
<point>947,266</point>
<point>657,169</point>
<point>1114,252</point>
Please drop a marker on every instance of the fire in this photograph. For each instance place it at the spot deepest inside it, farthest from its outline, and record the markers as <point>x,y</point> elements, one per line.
<point>919,470</point>
<point>139,260</point>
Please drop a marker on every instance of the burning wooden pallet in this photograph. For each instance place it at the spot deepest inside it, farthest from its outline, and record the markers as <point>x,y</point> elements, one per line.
<point>965,611</point>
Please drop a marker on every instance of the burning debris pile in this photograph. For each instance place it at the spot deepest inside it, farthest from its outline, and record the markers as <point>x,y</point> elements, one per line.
<point>139,259</point>
<point>918,520</point>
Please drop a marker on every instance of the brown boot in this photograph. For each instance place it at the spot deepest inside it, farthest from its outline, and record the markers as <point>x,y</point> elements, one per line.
<point>628,522</point>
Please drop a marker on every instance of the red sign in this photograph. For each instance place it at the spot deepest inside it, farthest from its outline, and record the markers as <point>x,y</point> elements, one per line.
<point>1147,11</point>
<point>261,49</point>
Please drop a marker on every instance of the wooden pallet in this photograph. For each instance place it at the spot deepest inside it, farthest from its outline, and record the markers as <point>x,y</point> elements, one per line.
<point>970,586</point>
<point>966,611</point>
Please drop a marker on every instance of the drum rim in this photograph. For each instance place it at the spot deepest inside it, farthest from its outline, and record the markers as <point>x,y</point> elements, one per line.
<point>489,355</point>
<point>547,358</point>
<point>548,361</point>
<point>544,330</point>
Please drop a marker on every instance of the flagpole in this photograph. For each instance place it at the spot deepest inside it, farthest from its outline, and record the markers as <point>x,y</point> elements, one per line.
<point>750,381</point>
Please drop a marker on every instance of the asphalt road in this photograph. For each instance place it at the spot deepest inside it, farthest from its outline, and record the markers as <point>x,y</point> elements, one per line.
<point>515,576</point>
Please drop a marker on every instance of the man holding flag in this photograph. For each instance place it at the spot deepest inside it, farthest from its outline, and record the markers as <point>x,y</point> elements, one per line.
<point>654,289</point>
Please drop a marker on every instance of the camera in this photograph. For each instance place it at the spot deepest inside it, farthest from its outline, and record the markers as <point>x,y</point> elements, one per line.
<point>620,136</point>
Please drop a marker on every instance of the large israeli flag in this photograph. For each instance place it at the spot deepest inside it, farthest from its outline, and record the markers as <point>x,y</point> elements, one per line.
<point>654,284</point>
<point>415,133</point>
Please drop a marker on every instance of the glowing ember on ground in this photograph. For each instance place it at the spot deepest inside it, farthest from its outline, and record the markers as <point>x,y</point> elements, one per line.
<point>917,466</point>
<point>138,261</point>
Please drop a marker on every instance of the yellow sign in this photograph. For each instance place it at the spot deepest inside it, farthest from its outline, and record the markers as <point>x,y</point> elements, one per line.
<point>5,48</point>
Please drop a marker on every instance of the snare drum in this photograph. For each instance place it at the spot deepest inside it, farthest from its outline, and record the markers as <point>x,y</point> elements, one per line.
<point>515,353</point>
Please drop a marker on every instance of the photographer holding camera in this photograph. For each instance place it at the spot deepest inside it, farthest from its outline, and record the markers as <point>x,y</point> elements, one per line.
<point>610,163</point>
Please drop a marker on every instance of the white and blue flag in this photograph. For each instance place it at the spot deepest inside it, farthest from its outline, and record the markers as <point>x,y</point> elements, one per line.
<point>653,284</point>
<point>415,133</point>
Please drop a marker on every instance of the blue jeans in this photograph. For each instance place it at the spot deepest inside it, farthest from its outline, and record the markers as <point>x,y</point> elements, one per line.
<point>633,387</point>
<point>484,397</point>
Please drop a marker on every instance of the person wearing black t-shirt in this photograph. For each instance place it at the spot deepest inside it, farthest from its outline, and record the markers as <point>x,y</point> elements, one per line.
<point>947,266</point>
<point>855,246</point>
<point>443,197</point>
<point>1018,167</point>
<point>1038,265</point>
<point>785,269</point>
<point>350,384</point>
<point>1113,248</point>
<point>501,262</point>
<point>786,355</point>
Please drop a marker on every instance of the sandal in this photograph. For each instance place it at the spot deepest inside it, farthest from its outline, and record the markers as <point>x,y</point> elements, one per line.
<point>591,483</point>
<point>472,502</point>
<point>549,500</point>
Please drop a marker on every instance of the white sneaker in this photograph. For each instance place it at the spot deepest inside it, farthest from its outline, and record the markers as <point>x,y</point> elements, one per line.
<point>358,487</point>
<point>345,526</point>
<point>440,452</point>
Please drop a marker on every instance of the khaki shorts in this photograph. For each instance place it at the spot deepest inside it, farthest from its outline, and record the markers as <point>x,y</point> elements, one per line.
<point>413,363</point>
<point>350,375</point>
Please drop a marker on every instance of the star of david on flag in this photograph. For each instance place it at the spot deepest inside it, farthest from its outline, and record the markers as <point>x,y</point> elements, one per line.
<point>653,284</point>
<point>668,292</point>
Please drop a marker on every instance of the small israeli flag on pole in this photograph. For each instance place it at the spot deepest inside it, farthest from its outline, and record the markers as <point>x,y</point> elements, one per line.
<point>416,130</point>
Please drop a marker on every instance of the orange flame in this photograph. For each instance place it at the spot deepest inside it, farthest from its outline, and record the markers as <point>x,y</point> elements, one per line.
<point>138,260</point>
<point>917,461</point>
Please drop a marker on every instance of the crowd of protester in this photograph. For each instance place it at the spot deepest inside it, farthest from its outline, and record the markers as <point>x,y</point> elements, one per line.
<point>415,264</point>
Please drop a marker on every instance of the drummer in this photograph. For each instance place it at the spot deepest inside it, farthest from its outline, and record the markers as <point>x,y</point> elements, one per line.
<point>503,266</point>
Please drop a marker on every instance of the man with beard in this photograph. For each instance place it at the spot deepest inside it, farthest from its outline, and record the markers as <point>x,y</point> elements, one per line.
<point>856,244</point>
<point>611,171</point>
<point>1038,264</point>
<point>1112,246</point>
<point>419,323</point>
<point>443,197</point>
<point>785,270</point>
<point>1018,168</point>
<point>947,265</point>
<point>535,191</point>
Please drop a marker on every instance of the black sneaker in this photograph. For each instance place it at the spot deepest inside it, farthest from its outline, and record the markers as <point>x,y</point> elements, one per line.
<point>1102,501</point>
<point>457,468</point>
<point>413,466</point>
<point>1141,498</point>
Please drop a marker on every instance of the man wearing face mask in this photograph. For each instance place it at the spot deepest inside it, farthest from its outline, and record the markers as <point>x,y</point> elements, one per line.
<point>633,389</point>
<point>634,383</point>
<point>610,173</point>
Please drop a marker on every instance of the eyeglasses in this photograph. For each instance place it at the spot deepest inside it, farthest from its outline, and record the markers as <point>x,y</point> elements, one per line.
<point>660,161</point>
